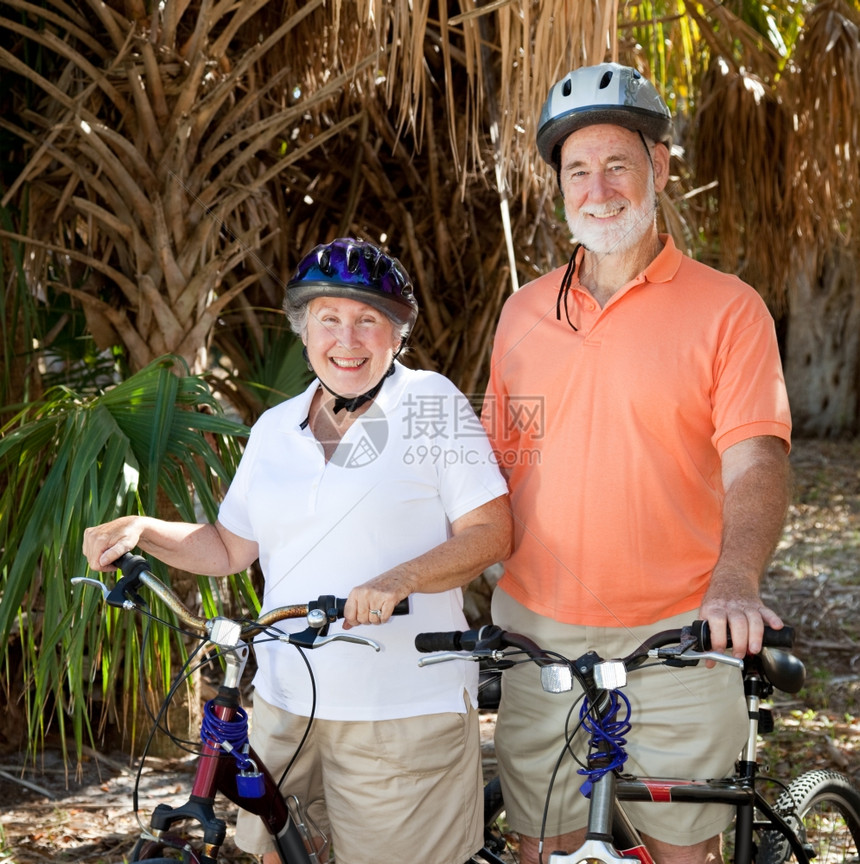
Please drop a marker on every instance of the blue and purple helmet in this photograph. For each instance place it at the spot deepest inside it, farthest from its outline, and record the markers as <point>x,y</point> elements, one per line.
<point>356,270</point>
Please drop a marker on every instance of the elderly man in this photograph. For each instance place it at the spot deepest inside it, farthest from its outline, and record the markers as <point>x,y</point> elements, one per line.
<point>637,404</point>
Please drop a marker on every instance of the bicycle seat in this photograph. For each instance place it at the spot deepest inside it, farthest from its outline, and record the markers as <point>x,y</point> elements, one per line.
<point>782,669</point>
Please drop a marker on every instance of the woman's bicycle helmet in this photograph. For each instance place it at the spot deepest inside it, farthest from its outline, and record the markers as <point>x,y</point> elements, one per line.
<point>358,271</point>
<point>606,93</point>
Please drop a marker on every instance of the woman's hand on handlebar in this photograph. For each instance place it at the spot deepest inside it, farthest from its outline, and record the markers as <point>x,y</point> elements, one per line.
<point>103,544</point>
<point>208,549</point>
<point>374,601</point>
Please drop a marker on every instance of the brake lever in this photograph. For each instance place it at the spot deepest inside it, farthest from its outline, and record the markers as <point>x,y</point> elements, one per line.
<point>444,657</point>
<point>682,654</point>
<point>497,657</point>
<point>348,637</point>
<point>718,657</point>
<point>695,656</point>
<point>86,580</point>
<point>120,595</point>
<point>311,638</point>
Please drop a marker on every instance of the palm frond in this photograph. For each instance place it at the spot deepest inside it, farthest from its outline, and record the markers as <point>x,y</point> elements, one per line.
<point>823,89</point>
<point>72,462</point>
<point>752,199</point>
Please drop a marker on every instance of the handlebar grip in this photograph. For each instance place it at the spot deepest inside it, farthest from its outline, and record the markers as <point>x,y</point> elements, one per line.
<point>782,638</point>
<point>402,608</point>
<point>489,636</point>
<point>452,640</point>
<point>131,566</point>
<point>126,561</point>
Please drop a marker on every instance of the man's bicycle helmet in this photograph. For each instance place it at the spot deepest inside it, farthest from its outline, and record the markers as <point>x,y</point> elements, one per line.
<point>358,271</point>
<point>606,93</point>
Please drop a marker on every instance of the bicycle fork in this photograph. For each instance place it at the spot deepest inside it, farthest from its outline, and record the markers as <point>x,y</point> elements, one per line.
<point>218,771</point>
<point>610,830</point>
<point>759,721</point>
<point>747,769</point>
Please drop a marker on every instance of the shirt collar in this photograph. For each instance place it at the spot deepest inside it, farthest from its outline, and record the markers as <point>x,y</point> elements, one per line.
<point>665,266</point>
<point>662,269</point>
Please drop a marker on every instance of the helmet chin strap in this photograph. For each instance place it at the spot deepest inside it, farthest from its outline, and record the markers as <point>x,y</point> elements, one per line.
<point>647,149</point>
<point>353,403</point>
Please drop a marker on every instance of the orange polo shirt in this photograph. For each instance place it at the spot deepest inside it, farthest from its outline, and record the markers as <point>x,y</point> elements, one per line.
<point>611,434</point>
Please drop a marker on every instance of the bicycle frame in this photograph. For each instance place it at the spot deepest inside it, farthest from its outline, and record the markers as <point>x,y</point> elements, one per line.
<point>217,772</point>
<point>611,837</point>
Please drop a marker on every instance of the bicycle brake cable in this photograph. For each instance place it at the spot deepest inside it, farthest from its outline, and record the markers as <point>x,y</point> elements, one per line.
<point>569,734</point>
<point>565,750</point>
<point>162,712</point>
<point>271,631</point>
<point>307,731</point>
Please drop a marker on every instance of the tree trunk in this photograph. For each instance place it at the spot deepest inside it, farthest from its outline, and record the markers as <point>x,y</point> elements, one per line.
<point>822,350</point>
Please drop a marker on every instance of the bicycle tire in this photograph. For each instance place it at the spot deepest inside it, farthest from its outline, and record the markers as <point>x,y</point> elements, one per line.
<point>823,808</point>
<point>153,853</point>
<point>495,838</point>
<point>159,860</point>
<point>494,802</point>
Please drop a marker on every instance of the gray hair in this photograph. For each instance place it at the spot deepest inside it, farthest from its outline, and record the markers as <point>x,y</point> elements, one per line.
<point>298,318</point>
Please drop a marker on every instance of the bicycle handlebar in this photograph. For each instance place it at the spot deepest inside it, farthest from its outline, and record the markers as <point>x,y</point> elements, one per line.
<point>136,572</point>
<point>456,640</point>
<point>492,638</point>
<point>782,638</point>
<point>486,639</point>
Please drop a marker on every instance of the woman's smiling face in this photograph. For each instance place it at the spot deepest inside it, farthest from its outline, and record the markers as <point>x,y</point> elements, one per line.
<point>350,344</point>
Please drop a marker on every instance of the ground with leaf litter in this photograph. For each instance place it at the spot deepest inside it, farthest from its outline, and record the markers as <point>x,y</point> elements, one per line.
<point>49,814</point>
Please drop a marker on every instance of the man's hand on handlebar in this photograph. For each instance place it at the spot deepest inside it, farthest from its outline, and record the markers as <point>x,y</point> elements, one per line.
<point>734,609</point>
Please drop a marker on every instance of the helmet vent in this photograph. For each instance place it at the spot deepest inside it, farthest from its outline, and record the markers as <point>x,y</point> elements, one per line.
<point>380,267</point>
<point>352,258</point>
<point>354,270</point>
<point>605,93</point>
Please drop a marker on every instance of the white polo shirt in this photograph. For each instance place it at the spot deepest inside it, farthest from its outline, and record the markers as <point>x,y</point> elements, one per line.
<point>414,462</point>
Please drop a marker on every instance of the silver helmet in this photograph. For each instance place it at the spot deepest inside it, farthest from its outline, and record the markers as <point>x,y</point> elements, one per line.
<point>606,93</point>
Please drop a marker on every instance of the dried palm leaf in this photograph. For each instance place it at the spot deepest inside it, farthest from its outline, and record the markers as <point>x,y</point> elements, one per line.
<point>742,143</point>
<point>824,88</point>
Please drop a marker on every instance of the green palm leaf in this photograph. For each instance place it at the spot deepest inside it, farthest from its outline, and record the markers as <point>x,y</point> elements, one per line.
<point>157,441</point>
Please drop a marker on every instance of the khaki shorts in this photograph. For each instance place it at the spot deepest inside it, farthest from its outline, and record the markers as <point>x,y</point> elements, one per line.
<point>687,723</point>
<point>383,791</point>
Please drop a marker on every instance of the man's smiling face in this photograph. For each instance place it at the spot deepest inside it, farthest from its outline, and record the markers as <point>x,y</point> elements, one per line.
<point>608,184</point>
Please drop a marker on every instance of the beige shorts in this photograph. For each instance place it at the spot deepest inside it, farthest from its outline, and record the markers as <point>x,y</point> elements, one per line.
<point>687,723</point>
<point>383,791</point>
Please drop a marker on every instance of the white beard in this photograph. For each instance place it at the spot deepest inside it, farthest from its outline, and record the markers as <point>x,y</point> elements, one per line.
<point>623,233</point>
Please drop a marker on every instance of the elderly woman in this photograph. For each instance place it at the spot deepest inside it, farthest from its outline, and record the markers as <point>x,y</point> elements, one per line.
<point>377,483</point>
